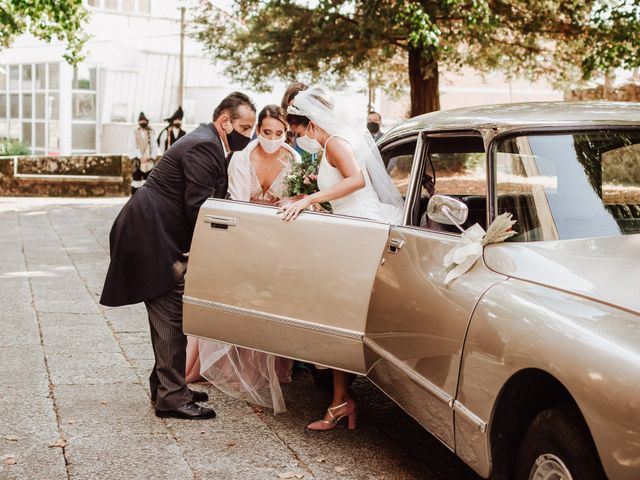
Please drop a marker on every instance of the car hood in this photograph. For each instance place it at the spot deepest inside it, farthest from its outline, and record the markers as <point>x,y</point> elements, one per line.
<point>605,269</point>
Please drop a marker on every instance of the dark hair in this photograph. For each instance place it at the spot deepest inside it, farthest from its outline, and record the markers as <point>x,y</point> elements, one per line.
<point>294,120</point>
<point>232,103</point>
<point>291,92</point>
<point>275,112</point>
<point>373,112</point>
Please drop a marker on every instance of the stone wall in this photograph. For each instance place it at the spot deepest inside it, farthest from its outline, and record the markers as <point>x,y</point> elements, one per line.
<point>629,92</point>
<point>72,176</point>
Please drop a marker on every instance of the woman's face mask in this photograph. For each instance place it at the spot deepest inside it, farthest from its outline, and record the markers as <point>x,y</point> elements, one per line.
<point>269,145</point>
<point>309,144</point>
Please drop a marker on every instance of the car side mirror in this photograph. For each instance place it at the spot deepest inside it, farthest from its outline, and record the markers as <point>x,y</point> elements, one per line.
<point>447,210</point>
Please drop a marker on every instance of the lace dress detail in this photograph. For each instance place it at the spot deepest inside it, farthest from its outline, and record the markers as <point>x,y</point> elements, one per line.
<point>276,191</point>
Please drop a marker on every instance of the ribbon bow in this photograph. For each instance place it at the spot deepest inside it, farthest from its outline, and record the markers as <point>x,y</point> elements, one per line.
<point>471,245</point>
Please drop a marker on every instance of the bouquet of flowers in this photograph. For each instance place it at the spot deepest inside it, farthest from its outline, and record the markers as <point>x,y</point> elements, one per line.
<point>303,179</point>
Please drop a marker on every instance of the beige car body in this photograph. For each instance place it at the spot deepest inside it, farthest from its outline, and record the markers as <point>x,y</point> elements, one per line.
<point>529,319</point>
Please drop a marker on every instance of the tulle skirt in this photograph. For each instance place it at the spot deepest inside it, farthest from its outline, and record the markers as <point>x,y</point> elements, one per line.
<point>245,374</point>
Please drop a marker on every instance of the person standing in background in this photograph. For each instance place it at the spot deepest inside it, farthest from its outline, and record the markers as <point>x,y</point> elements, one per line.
<point>142,151</point>
<point>374,122</point>
<point>173,132</point>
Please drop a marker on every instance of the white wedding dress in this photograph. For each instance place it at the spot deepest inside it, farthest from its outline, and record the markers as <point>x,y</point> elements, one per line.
<point>361,203</point>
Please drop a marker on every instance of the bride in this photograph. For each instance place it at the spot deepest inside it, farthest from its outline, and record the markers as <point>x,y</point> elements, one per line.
<point>352,177</point>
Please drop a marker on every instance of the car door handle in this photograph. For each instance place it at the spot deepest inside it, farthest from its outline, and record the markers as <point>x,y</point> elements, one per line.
<point>395,244</point>
<point>217,221</point>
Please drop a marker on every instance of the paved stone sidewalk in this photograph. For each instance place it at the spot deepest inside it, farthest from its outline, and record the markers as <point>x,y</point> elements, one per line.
<point>73,379</point>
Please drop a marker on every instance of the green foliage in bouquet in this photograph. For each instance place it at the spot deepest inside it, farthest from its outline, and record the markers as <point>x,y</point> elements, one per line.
<point>303,179</point>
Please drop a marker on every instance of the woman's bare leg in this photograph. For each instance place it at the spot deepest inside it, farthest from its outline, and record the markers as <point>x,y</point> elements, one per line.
<point>342,398</point>
<point>341,391</point>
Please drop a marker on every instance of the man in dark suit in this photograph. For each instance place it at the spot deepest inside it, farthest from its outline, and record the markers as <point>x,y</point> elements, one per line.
<point>152,234</point>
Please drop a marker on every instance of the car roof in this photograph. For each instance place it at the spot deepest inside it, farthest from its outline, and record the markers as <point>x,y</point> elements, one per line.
<point>517,115</point>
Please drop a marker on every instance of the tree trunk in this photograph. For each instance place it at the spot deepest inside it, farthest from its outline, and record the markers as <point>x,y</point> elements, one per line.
<point>424,80</point>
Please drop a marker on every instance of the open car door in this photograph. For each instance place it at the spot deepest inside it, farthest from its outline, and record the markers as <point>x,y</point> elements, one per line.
<point>298,289</point>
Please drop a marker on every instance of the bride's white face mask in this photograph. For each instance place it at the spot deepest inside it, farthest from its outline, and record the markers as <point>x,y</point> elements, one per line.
<point>309,144</point>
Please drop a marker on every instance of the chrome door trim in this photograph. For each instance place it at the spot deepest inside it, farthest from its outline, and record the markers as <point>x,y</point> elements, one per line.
<point>438,393</point>
<point>281,320</point>
<point>435,391</point>
<point>469,416</point>
<point>414,185</point>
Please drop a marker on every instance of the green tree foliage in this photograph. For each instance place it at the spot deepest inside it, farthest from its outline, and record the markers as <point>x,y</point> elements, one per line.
<point>563,40</point>
<point>46,20</point>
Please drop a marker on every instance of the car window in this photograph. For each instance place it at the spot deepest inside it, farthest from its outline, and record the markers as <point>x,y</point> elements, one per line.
<point>563,186</point>
<point>398,159</point>
<point>456,167</point>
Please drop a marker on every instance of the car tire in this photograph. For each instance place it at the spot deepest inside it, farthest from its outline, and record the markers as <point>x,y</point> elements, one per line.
<point>558,441</point>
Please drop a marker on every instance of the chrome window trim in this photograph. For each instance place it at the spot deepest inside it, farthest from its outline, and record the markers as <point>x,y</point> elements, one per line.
<point>280,320</point>
<point>416,167</point>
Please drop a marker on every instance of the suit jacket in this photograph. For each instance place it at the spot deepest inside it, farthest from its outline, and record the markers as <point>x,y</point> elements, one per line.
<point>153,230</point>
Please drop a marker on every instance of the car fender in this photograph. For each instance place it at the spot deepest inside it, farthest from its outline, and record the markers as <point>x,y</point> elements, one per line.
<point>591,348</point>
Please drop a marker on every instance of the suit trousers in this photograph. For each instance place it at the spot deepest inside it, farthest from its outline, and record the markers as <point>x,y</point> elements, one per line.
<point>167,379</point>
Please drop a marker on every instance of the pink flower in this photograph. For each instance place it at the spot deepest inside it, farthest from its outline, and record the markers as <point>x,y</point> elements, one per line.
<point>306,181</point>
<point>313,176</point>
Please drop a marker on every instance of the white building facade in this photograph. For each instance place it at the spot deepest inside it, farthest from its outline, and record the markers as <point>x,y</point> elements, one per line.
<point>132,65</point>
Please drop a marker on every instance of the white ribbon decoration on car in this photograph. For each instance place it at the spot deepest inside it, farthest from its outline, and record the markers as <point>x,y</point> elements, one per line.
<point>464,255</point>
<point>470,247</point>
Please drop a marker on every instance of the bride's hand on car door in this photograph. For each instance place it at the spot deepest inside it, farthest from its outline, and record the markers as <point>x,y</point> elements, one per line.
<point>291,211</point>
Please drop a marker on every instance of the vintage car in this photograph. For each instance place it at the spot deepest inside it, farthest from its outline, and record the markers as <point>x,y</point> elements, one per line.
<point>528,365</point>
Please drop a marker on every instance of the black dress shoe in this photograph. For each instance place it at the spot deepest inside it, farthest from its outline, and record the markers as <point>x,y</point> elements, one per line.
<point>189,411</point>
<point>199,396</point>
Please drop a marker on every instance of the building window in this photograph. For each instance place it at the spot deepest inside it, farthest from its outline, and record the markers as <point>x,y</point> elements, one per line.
<point>83,137</point>
<point>14,77</point>
<point>144,6</point>
<point>129,6</point>
<point>84,109</point>
<point>140,7</point>
<point>25,90</point>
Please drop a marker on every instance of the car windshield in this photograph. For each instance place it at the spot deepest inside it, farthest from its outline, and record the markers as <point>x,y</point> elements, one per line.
<point>577,185</point>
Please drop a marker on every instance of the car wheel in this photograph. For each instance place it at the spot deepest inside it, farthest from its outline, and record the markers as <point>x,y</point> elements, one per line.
<point>557,446</point>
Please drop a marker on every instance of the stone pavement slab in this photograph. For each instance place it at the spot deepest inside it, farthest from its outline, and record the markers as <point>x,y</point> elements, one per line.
<point>73,377</point>
<point>150,456</point>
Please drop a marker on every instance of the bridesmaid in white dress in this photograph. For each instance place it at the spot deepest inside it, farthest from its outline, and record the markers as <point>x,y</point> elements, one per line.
<point>352,177</point>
